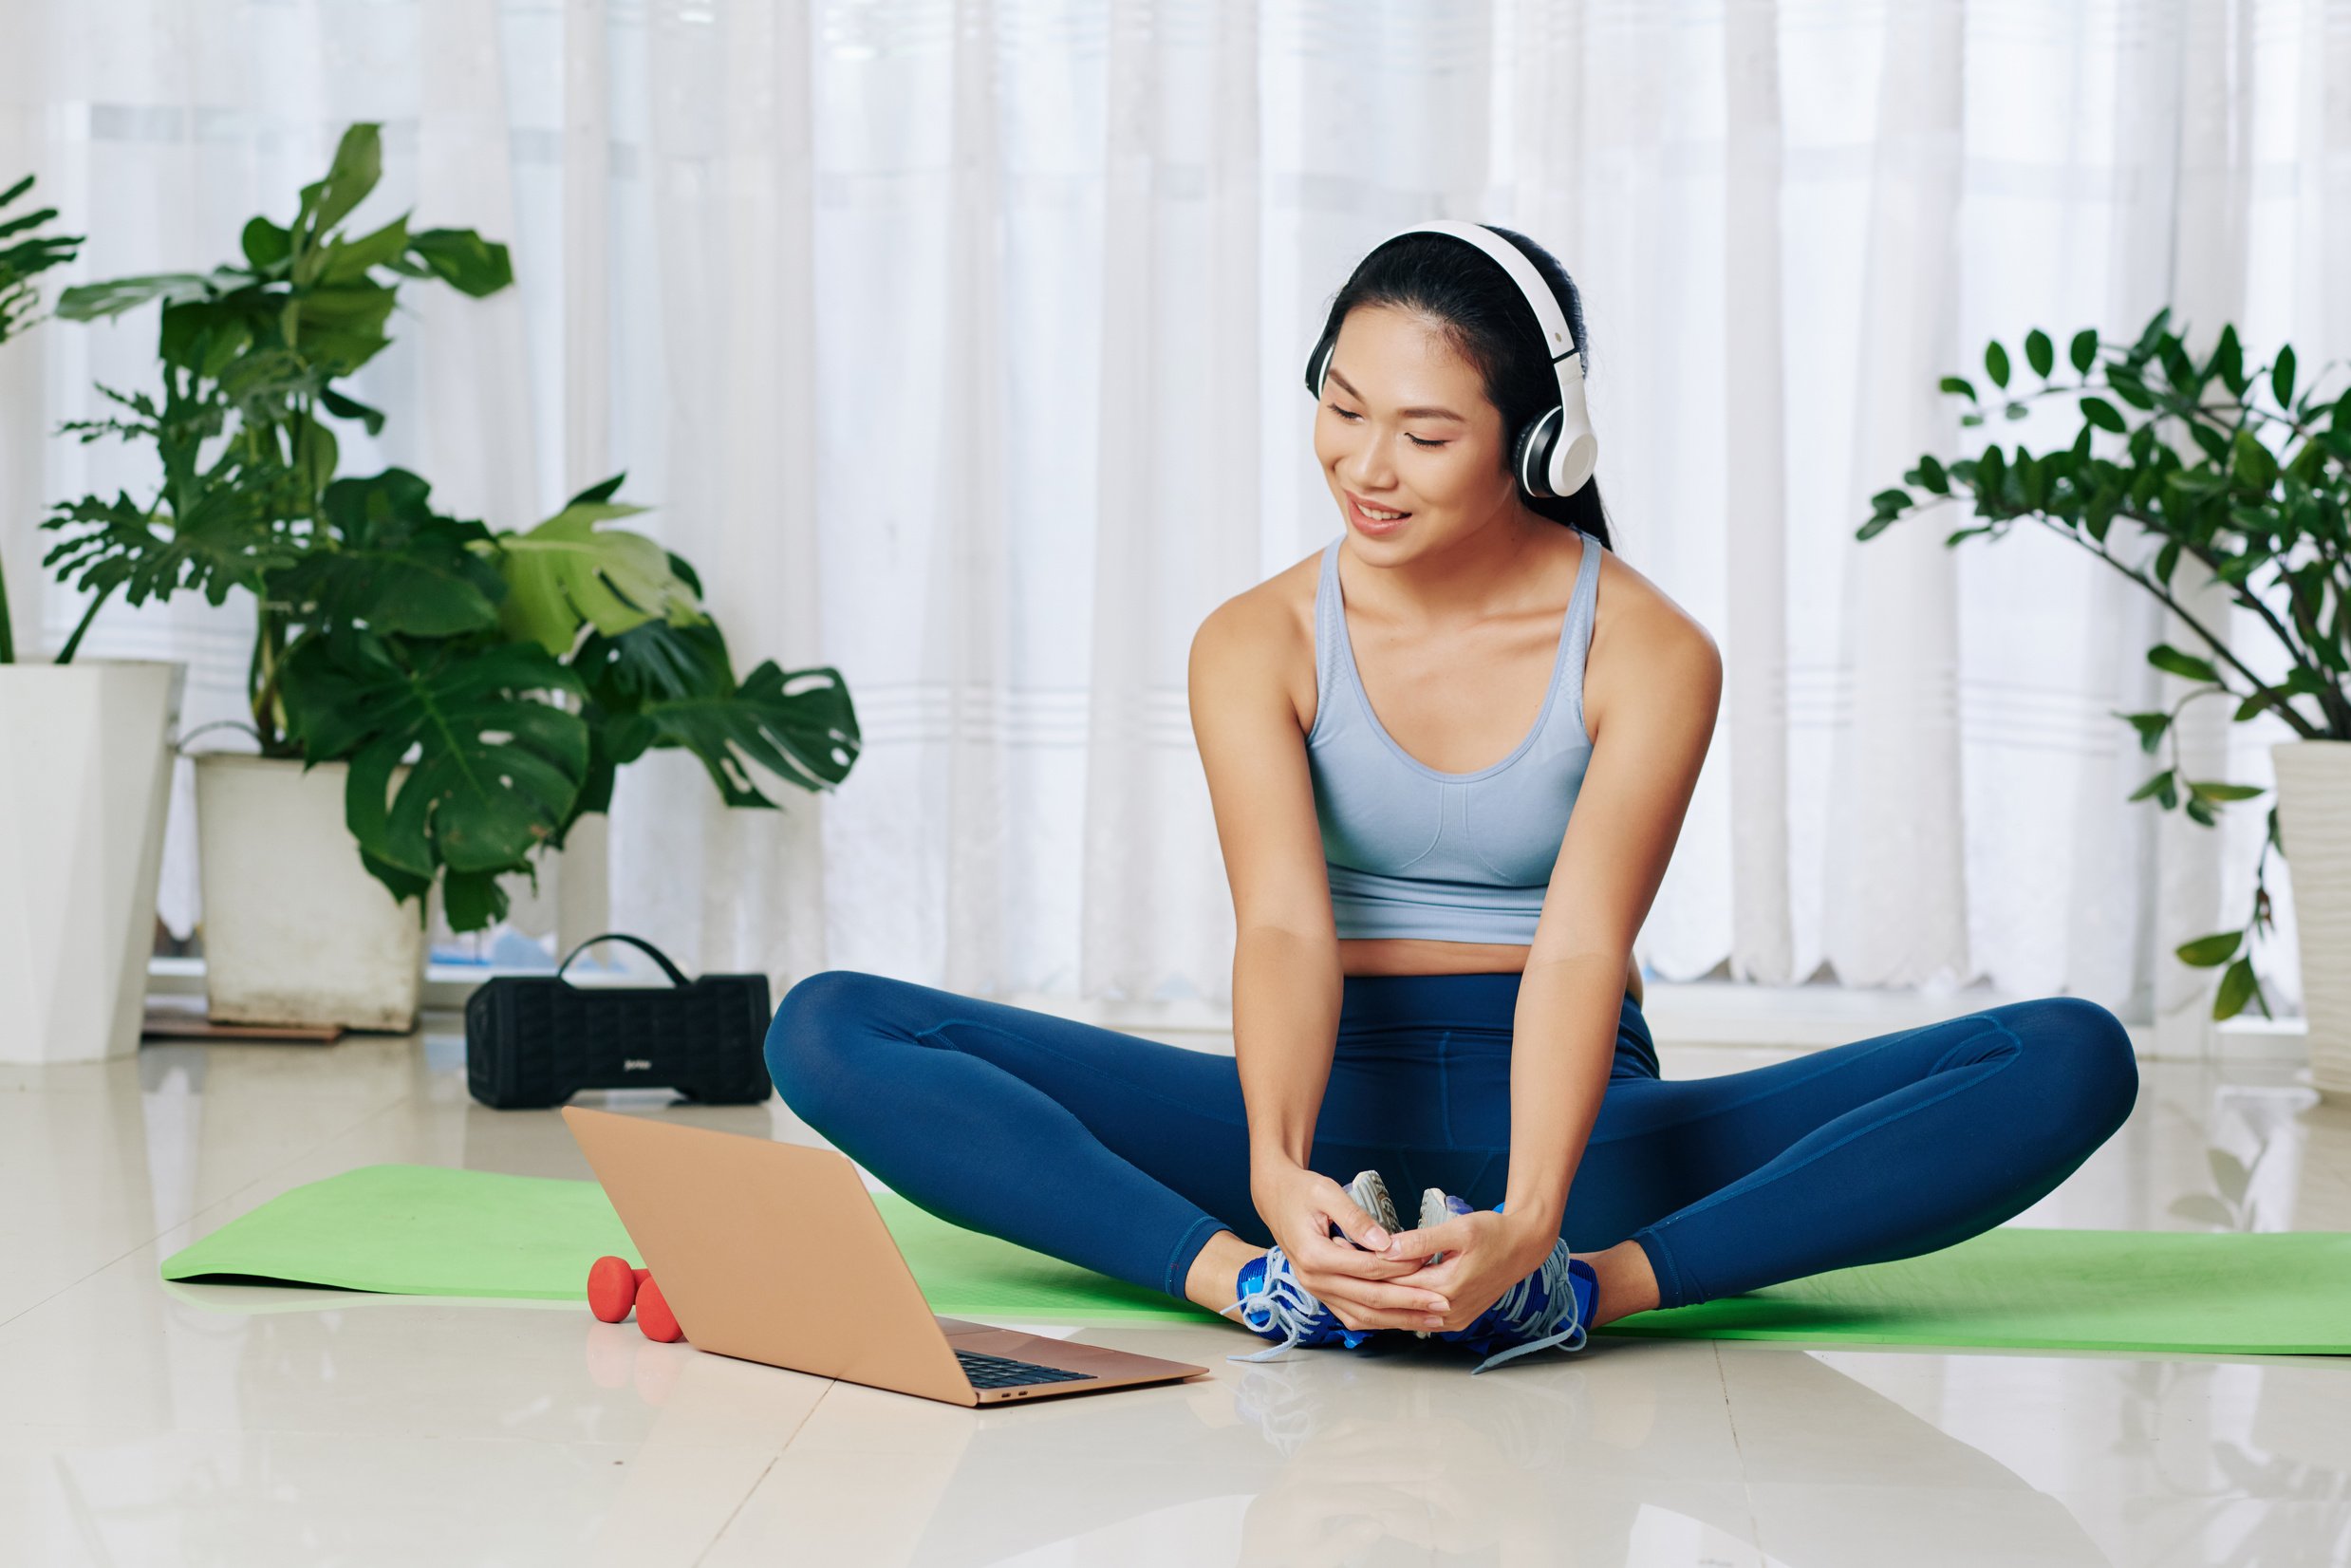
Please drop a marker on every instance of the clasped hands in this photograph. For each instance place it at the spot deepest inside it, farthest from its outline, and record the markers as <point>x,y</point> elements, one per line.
<point>1389,1281</point>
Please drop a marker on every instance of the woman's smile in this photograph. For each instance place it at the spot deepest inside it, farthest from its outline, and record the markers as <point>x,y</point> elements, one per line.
<point>1377,520</point>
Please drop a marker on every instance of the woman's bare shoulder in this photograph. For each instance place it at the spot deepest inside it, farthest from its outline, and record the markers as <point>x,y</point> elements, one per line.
<point>1643,640</point>
<point>1636,610</point>
<point>1265,632</point>
<point>1282,605</point>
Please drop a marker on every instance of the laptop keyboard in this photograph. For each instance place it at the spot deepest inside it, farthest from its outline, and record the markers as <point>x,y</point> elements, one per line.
<point>1002,1372</point>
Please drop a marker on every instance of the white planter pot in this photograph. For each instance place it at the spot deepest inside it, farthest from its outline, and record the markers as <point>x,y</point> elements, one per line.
<point>85,771</point>
<point>2313,826</point>
<point>295,930</point>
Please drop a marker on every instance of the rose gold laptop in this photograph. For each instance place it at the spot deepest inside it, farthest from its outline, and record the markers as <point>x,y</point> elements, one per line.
<point>773,1252</point>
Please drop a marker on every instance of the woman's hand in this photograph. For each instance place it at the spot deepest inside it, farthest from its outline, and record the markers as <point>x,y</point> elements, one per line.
<point>1299,1206</point>
<point>1479,1256</point>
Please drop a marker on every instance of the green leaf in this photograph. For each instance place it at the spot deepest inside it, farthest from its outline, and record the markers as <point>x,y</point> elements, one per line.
<point>2032,479</point>
<point>2040,353</point>
<point>799,726</point>
<point>2154,332</point>
<point>2253,462</point>
<point>1991,478</point>
<point>350,408</point>
<point>565,572</point>
<point>96,301</point>
<point>604,489</point>
<point>347,260</point>
<point>2229,359</point>
<point>2103,413</point>
<point>265,244</point>
<point>1996,363</point>
<point>653,662</point>
<point>1932,475</point>
<point>2282,377</point>
<point>214,525</point>
<point>2212,951</point>
<point>394,565</point>
<point>358,164</point>
<point>2170,659</point>
<point>2237,987</point>
<point>2161,784</point>
<point>2213,789</point>
<point>2177,367</point>
<point>497,769</point>
<point>2150,727</point>
<point>1889,500</point>
<point>472,901</point>
<point>1960,386</point>
<point>462,258</point>
<point>2130,388</point>
<point>1877,525</point>
<point>2083,351</point>
<point>340,325</point>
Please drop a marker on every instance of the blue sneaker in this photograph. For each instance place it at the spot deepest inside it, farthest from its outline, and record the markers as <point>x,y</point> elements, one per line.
<point>1274,1304</point>
<point>1549,1308</point>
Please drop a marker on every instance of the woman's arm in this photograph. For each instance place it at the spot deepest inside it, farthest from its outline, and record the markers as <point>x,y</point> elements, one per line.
<point>1651,726</point>
<point>1286,977</point>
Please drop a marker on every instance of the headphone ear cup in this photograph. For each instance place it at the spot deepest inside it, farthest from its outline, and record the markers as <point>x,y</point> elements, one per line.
<point>1320,362</point>
<point>1531,458</point>
<point>1574,431</point>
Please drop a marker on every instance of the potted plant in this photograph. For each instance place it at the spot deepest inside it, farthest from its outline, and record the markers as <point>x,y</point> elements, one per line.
<point>85,784</point>
<point>435,703</point>
<point>2257,498</point>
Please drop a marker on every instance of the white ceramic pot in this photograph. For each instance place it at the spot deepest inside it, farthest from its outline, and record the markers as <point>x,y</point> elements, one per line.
<point>295,930</point>
<point>86,773</point>
<point>2313,826</point>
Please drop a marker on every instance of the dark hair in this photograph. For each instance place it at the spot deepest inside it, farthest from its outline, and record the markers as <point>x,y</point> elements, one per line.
<point>1492,328</point>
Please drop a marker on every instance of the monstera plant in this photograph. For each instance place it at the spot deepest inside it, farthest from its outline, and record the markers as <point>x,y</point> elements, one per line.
<point>513,674</point>
<point>2252,492</point>
<point>481,685</point>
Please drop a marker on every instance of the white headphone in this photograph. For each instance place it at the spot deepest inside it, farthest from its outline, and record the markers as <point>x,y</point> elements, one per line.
<point>1557,451</point>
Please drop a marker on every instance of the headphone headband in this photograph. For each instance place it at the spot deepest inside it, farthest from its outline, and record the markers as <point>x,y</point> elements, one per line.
<point>1557,339</point>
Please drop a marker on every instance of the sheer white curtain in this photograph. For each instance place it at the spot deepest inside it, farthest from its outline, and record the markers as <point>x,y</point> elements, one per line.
<point>959,343</point>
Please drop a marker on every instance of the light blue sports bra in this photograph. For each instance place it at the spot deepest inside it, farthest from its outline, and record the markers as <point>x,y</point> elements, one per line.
<point>1413,851</point>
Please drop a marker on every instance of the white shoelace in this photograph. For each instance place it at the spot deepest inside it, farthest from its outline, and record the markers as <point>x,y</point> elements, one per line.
<point>1559,1304</point>
<point>1292,1310</point>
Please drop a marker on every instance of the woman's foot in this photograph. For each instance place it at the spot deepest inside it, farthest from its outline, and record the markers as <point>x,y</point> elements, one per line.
<point>1549,1308</point>
<point>1273,1303</point>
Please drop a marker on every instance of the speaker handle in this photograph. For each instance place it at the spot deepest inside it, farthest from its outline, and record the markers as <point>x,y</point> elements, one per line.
<point>639,944</point>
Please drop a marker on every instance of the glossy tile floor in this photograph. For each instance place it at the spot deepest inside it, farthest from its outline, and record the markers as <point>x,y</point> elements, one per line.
<point>141,1423</point>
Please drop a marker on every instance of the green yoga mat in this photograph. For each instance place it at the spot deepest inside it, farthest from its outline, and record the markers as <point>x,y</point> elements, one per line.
<point>427,1230</point>
<point>424,1230</point>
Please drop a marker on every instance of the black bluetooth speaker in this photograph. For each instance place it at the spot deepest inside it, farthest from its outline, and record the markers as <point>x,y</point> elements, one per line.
<point>535,1041</point>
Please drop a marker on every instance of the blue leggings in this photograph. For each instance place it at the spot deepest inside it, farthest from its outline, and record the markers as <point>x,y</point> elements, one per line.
<point>1125,1155</point>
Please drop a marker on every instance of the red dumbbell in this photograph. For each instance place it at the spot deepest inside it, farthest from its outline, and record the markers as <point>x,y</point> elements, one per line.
<point>612,1287</point>
<point>615,1288</point>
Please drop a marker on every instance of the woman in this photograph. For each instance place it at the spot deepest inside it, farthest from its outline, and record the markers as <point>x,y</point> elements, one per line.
<point>1435,898</point>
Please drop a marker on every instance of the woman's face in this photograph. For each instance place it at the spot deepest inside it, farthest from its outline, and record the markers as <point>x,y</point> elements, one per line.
<point>1405,426</point>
